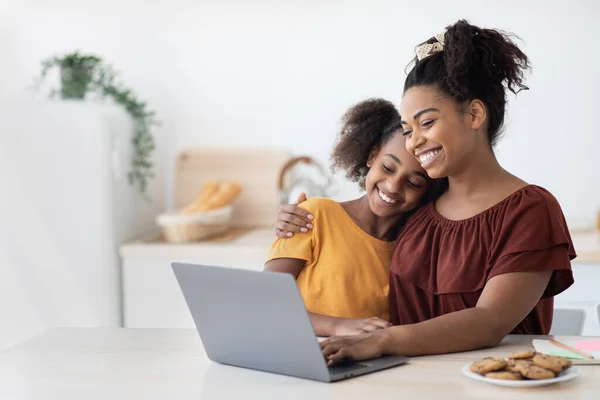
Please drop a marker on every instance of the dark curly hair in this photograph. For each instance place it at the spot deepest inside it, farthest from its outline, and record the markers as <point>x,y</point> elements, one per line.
<point>366,126</point>
<point>475,63</point>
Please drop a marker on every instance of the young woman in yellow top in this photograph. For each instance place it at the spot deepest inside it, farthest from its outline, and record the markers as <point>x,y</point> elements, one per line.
<point>345,291</point>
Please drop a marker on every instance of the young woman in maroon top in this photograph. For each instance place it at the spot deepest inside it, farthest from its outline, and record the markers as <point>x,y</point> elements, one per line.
<point>487,256</point>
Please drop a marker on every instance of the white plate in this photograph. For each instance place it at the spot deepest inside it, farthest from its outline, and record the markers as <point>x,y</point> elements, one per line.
<point>567,375</point>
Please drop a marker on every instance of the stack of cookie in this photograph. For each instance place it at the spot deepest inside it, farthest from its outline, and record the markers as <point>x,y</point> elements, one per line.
<point>521,365</point>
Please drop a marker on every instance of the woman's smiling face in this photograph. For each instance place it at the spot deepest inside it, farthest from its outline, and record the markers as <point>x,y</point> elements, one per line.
<point>441,134</point>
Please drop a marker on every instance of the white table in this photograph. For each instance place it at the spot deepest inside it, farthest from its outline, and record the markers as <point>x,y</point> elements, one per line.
<point>113,363</point>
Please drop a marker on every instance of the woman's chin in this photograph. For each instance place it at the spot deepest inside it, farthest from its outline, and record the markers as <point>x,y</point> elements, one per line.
<point>387,212</point>
<point>436,173</point>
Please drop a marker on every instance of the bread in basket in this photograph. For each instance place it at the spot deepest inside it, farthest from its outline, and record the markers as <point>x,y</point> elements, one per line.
<point>208,215</point>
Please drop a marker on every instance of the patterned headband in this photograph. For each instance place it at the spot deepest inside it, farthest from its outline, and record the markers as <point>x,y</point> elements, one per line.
<point>428,49</point>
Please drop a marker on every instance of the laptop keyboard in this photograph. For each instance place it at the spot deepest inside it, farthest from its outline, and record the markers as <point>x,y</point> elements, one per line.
<point>346,366</point>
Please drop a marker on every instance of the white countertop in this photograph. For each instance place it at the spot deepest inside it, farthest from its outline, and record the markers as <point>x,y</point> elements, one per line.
<point>116,363</point>
<point>258,239</point>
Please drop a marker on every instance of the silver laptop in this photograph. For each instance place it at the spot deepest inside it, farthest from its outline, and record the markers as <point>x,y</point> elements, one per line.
<point>258,320</point>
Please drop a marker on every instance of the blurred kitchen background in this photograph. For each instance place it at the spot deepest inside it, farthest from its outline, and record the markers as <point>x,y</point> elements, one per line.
<point>240,88</point>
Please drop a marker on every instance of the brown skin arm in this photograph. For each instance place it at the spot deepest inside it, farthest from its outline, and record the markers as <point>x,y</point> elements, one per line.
<point>325,325</point>
<point>506,300</point>
<point>291,266</point>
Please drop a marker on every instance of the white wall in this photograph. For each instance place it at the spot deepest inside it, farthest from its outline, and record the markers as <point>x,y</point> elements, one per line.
<point>262,73</point>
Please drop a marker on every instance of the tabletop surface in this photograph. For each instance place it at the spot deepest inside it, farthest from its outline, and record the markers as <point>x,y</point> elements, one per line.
<point>119,363</point>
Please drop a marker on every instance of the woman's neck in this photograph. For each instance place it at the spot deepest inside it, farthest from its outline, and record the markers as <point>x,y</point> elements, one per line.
<point>482,173</point>
<point>382,228</point>
<point>481,184</point>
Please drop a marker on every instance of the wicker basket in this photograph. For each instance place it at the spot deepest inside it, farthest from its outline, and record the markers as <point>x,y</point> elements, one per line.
<point>182,228</point>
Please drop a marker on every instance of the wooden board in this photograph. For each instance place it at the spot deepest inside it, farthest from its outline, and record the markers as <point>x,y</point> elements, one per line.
<point>256,169</point>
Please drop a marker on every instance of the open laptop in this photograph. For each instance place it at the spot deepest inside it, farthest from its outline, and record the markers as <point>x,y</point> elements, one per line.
<point>258,320</point>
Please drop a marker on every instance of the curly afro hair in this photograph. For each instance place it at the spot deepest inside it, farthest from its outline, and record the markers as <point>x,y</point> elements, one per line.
<point>366,126</point>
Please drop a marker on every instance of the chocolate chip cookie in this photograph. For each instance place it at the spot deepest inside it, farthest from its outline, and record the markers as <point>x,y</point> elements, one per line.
<point>536,372</point>
<point>504,375</point>
<point>553,363</point>
<point>516,365</point>
<point>488,364</point>
<point>518,355</point>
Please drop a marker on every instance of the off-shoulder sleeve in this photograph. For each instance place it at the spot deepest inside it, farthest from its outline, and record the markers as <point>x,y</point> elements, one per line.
<point>534,237</point>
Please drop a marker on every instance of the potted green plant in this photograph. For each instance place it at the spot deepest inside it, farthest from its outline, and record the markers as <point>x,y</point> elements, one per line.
<point>82,74</point>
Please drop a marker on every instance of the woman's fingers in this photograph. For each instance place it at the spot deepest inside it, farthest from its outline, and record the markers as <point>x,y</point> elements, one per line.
<point>368,327</point>
<point>294,220</point>
<point>361,347</point>
<point>330,340</point>
<point>293,209</point>
<point>340,355</point>
<point>287,227</point>
<point>330,349</point>
<point>381,323</point>
<point>282,234</point>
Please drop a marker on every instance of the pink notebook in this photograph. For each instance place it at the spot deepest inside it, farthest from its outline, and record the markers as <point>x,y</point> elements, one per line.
<point>591,346</point>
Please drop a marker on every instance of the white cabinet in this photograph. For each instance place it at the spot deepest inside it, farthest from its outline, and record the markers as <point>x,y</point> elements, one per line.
<point>152,298</point>
<point>151,294</point>
<point>584,294</point>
